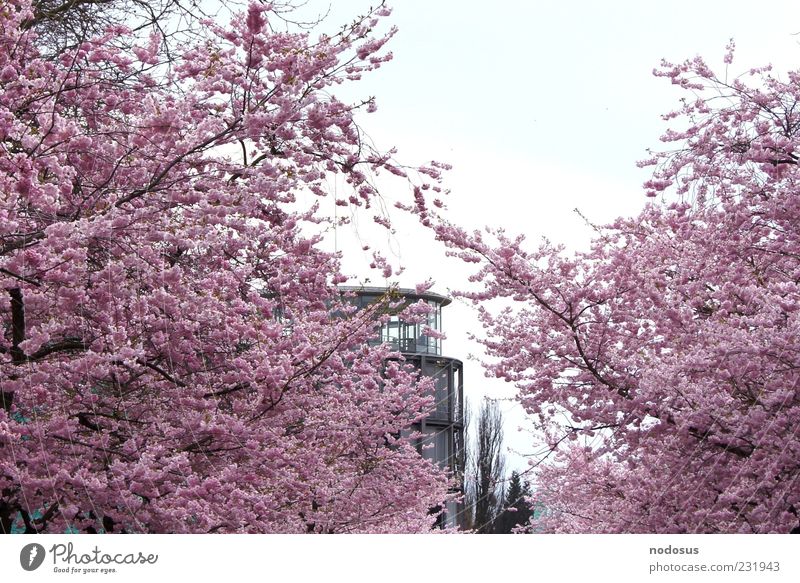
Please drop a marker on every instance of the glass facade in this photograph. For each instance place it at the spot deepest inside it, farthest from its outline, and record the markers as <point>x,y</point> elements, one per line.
<point>407,337</point>
<point>411,337</point>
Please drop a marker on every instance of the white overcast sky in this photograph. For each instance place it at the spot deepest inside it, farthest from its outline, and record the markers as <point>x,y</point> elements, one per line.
<point>541,107</point>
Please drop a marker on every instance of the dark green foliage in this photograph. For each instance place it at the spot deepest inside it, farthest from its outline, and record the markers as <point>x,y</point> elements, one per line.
<point>516,508</point>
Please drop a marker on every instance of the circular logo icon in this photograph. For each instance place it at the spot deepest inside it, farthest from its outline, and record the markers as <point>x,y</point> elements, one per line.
<point>31,556</point>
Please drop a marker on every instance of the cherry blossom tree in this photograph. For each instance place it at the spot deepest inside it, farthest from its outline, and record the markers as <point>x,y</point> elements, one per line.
<point>175,354</point>
<point>662,366</point>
